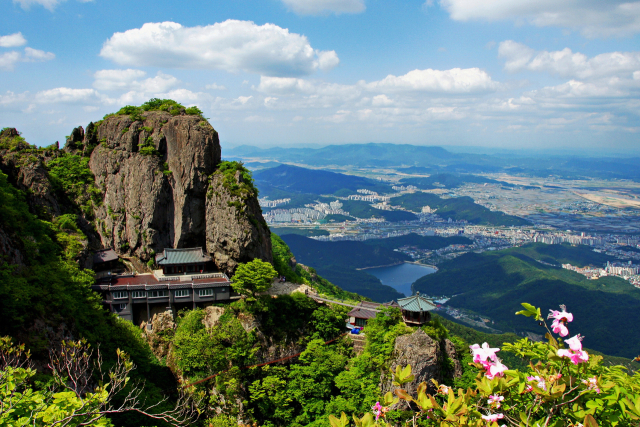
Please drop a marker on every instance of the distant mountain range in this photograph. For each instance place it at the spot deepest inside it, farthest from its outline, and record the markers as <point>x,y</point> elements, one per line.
<point>302,180</point>
<point>432,159</point>
<point>305,186</point>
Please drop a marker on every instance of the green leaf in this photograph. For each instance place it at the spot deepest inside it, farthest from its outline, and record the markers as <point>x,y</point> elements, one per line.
<point>589,421</point>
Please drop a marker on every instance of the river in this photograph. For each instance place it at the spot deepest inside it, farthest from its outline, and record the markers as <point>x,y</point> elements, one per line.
<point>400,277</point>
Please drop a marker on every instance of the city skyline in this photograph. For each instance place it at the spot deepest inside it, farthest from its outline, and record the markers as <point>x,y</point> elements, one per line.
<point>509,74</point>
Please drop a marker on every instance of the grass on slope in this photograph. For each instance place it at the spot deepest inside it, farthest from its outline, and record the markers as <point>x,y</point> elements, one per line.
<point>283,261</point>
<point>495,283</point>
<point>457,208</point>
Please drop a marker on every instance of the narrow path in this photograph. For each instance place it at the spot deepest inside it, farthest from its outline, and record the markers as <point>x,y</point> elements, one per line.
<point>317,298</point>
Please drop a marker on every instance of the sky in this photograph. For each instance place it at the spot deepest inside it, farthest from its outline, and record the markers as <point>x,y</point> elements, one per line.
<point>515,74</point>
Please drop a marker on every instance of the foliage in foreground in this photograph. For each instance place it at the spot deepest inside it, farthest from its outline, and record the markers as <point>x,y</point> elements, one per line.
<point>74,394</point>
<point>560,387</point>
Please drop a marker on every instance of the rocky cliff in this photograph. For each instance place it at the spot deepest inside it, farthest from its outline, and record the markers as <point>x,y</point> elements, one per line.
<point>429,359</point>
<point>156,184</point>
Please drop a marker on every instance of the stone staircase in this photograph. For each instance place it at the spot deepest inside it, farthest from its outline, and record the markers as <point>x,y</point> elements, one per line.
<point>358,342</point>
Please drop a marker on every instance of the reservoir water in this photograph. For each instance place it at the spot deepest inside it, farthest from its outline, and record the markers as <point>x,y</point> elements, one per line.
<point>400,277</point>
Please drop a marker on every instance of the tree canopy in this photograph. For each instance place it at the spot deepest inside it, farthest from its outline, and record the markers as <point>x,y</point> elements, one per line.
<point>253,277</point>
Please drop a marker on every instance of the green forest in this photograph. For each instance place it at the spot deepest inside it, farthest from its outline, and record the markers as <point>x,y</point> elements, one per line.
<point>494,284</point>
<point>456,208</point>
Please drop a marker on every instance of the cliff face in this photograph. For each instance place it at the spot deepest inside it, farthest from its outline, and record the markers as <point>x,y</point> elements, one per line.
<point>155,175</point>
<point>428,360</point>
<point>154,200</point>
<point>28,173</point>
<point>236,230</point>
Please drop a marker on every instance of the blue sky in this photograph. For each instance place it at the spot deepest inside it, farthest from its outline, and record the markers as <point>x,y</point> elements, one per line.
<point>517,74</point>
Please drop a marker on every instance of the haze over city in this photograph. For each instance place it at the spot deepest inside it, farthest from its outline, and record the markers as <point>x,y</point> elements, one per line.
<point>513,74</point>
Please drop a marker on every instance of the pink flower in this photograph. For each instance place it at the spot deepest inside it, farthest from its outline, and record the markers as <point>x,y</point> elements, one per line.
<point>494,398</point>
<point>495,369</point>
<point>575,352</point>
<point>481,354</point>
<point>541,382</point>
<point>559,324</point>
<point>377,410</point>
<point>443,389</point>
<point>592,384</point>
<point>492,417</point>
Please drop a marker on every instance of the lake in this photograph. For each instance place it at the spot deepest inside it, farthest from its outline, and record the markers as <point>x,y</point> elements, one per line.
<point>400,277</point>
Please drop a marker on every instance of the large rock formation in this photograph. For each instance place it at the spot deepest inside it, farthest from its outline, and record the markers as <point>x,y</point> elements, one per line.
<point>429,359</point>
<point>155,174</point>
<point>28,173</point>
<point>236,230</point>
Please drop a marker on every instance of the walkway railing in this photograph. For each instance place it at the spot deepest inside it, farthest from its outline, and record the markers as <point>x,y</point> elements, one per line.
<point>319,298</point>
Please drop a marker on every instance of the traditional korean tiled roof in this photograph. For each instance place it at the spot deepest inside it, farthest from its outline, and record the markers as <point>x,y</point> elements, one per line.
<point>362,313</point>
<point>182,256</point>
<point>416,303</point>
<point>105,255</point>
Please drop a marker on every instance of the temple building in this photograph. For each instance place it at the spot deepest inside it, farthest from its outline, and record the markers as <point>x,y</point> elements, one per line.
<point>183,261</point>
<point>416,309</point>
<point>367,310</point>
<point>186,280</point>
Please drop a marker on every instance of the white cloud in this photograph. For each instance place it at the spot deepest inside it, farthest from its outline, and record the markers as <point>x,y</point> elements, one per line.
<point>13,40</point>
<point>116,79</point>
<point>577,89</point>
<point>327,60</point>
<point>47,4</point>
<point>35,55</point>
<point>455,80</point>
<point>10,98</point>
<point>215,86</point>
<point>132,80</point>
<point>566,63</point>
<point>9,59</point>
<point>594,18</point>
<point>320,7</point>
<point>381,100</point>
<point>231,45</point>
<point>65,95</point>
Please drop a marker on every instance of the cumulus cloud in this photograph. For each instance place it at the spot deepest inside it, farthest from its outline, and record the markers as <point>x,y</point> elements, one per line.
<point>566,63</point>
<point>8,60</point>
<point>594,18</point>
<point>133,80</point>
<point>47,4</point>
<point>231,45</point>
<point>13,40</point>
<point>455,80</point>
<point>35,55</point>
<point>320,7</point>
<point>66,95</point>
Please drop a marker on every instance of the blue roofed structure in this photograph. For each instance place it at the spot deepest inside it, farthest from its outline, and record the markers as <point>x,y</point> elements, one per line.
<point>415,309</point>
<point>186,260</point>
